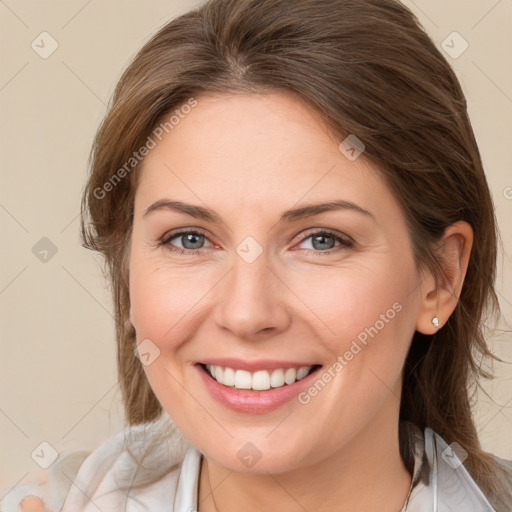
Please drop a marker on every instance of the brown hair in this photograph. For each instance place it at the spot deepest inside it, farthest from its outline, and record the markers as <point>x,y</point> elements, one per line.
<point>369,69</point>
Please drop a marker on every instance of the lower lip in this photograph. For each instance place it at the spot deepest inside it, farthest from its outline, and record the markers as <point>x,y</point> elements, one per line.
<point>254,402</point>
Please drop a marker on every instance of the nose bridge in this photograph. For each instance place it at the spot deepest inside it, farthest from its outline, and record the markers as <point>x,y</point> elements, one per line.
<point>252,296</point>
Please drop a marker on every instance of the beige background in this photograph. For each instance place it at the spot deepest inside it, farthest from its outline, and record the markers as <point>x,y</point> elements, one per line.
<point>58,381</point>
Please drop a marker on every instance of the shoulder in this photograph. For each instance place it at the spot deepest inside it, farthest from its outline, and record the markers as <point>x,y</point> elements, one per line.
<point>445,483</point>
<point>138,457</point>
<point>141,460</point>
<point>505,467</point>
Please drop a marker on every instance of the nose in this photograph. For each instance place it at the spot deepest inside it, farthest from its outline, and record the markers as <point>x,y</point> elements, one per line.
<point>251,300</point>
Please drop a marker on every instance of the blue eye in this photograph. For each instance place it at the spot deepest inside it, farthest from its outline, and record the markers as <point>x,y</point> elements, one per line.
<point>318,242</point>
<point>193,242</point>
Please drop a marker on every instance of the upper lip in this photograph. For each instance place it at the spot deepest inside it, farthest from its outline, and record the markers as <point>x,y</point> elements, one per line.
<point>252,366</point>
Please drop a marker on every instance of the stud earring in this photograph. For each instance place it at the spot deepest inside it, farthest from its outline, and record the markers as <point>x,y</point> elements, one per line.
<point>435,321</point>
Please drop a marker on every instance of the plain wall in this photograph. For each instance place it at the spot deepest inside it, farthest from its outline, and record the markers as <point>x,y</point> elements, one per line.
<point>58,371</point>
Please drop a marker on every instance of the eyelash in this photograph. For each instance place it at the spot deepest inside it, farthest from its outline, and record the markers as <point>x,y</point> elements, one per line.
<point>345,242</point>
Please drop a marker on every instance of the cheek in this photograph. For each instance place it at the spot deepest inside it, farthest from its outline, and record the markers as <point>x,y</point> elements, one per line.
<point>163,298</point>
<point>162,308</point>
<point>368,320</point>
<point>360,302</point>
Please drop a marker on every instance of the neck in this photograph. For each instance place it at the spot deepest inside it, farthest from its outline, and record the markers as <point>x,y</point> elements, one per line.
<point>367,474</point>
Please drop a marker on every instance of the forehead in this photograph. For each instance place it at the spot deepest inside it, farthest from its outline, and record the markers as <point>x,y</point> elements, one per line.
<point>254,149</point>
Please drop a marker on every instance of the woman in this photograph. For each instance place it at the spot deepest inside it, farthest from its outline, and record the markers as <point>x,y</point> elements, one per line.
<point>302,246</point>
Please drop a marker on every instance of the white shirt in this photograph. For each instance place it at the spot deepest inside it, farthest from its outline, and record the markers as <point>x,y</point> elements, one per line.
<point>153,468</point>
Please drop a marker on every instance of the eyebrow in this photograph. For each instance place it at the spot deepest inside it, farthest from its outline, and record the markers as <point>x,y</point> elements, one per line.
<point>291,215</point>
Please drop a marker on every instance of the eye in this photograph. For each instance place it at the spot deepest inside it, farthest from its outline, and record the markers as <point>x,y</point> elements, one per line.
<point>192,242</point>
<point>324,242</point>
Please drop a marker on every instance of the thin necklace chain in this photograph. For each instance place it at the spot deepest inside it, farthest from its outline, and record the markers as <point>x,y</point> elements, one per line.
<point>210,484</point>
<point>403,509</point>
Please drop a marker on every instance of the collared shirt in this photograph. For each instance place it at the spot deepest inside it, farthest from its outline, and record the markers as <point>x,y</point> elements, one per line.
<point>153,468</point>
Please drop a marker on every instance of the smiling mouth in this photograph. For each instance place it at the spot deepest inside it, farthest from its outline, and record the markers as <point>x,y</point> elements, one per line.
<point>261,380</point>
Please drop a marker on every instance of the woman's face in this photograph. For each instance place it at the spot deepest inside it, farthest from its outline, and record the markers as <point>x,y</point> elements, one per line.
<point>244,276</point>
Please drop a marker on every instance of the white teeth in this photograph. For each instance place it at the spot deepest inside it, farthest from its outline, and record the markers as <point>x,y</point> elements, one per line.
<point>228,377</point>
<point>260,380</point>
<point>242,379</point>
<point>302,372</point>
<point>290,375</point>
<point>277,378</point>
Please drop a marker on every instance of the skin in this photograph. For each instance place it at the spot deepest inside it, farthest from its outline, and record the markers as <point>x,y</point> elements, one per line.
<point>32,504</point>
<point>234,154</point>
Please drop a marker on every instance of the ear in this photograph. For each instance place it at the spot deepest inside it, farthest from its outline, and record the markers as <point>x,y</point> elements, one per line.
<point>440,296</point>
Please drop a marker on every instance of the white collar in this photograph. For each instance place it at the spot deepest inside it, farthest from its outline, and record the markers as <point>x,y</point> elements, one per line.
<point>436,486</point>
<point>154,464</point>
